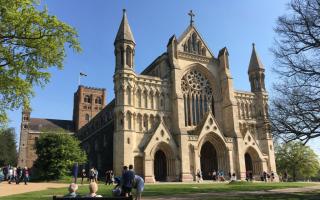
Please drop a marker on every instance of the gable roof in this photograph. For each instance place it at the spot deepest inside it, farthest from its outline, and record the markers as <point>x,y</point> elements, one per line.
<point>40,124</point>
<point>192,28</point>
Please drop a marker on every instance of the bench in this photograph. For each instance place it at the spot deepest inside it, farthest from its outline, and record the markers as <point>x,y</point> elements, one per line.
<point>91,198</point>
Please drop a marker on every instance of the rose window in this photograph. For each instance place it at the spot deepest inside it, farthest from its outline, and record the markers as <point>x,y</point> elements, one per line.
<point>197,94</point>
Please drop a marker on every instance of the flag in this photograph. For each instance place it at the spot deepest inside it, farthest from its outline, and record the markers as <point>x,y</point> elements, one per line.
<point>83,74</point>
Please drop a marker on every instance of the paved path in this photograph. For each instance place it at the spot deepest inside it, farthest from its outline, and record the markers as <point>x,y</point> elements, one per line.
<point>230,194</point>
<point>10,189</point>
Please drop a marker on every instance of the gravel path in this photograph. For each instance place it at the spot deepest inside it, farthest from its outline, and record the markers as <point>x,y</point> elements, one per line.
<point>10,189</point>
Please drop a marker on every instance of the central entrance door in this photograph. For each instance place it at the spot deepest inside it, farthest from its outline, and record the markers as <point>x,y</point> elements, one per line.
<point>208,159</point>
<point>160,166</point>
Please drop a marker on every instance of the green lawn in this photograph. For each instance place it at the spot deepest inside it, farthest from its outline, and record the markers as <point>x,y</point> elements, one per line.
<point>181,189</point>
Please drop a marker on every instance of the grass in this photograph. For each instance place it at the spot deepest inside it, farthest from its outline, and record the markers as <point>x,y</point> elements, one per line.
<point>294,196</point>
<point>182,189</point>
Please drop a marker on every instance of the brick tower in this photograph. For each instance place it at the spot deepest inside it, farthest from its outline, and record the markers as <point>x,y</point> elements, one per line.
<point>88,101</point>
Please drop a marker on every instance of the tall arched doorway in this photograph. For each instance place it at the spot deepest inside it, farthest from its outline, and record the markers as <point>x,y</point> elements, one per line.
<point>253,162</point>
<point>208,159</point>
<point>160,166</point>
<point>248,161</point>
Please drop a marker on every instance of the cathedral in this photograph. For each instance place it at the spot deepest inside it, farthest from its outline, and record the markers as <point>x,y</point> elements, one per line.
<point>180,115</point>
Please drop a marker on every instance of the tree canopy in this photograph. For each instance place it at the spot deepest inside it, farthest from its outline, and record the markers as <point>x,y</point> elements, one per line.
<point>297,160</point>
<point>31,41</point>
<point>57,152</point>
<point>8,147</point>
<point>295,110</point>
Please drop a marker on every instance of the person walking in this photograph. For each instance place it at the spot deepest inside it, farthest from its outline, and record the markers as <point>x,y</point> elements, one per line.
<point>112,177</point>
<point>10,175</point>
<point>272,176</point>
<point>19,175</point>
<point>25,175</point>
<point>199,176</point>
<point>96,175</point>
<point>264,176</point>
<point>251,176</point>
<point>214,175</point>
<point>75,169</point>
<point>5,172</point>
<point>107,177</point>
<point>91,175</point>
<point>83,175</point>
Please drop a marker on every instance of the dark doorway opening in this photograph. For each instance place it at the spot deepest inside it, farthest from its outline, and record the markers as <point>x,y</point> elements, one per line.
<point>208,160</point>
<point>248,161</point>
<point>160,166</point>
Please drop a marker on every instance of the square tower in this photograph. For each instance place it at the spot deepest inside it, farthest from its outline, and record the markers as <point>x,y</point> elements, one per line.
<point>88,101</point>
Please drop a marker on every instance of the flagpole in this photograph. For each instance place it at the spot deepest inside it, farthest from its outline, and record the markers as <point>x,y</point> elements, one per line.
<point>79,79</point>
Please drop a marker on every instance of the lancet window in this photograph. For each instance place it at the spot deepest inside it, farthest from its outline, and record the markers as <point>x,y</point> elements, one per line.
<point>194,45</point>
<point>129,56</point>
<point>197,96</point>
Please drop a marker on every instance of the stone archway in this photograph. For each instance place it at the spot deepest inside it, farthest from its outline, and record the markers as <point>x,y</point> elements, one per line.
<point>160,166</point>
<point>208,160</point>
<point>253,162</point>
<point>164,162</point>
<point>214,155</point>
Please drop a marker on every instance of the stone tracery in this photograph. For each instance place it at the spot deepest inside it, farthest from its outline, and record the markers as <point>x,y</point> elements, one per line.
<point>197,95</point>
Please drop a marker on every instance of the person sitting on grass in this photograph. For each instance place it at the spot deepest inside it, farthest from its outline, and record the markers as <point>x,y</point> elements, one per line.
<point>72,191</point>
<point>93,187</point>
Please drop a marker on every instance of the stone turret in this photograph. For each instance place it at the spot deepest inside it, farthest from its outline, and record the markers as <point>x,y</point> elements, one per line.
<point>256,72</point>
<point>124,45</point>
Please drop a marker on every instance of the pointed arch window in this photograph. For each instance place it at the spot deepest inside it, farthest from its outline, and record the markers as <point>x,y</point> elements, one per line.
<point>197,96</point>
<point>194,45</point>
<point>122,56</point>
<point>129,56</point>
<point>203,51</point>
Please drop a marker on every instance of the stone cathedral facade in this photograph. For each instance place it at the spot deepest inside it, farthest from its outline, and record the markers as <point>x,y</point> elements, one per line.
<point>180,115</point>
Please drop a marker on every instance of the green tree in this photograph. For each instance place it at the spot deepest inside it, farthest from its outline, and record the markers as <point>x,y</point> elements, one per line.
<point>297,160</point>
<point>57,152</point>
<point>31,42</point>
<point>8,147</point>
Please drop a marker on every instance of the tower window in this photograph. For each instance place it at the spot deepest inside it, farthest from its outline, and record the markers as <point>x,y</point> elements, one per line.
<point>98,100</point>
<point>87,117</point>
<point>129,56</point>
<point>87,99</point>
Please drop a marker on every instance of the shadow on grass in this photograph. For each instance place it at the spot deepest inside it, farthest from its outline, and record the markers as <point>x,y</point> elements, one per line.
<point>292,196</point>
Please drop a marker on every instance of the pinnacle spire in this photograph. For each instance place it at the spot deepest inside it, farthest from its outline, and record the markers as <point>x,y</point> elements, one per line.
<point>255,62</point>
<point>124,31</point>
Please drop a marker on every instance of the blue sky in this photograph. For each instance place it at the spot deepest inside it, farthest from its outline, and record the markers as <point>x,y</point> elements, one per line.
<point>230,23</point>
